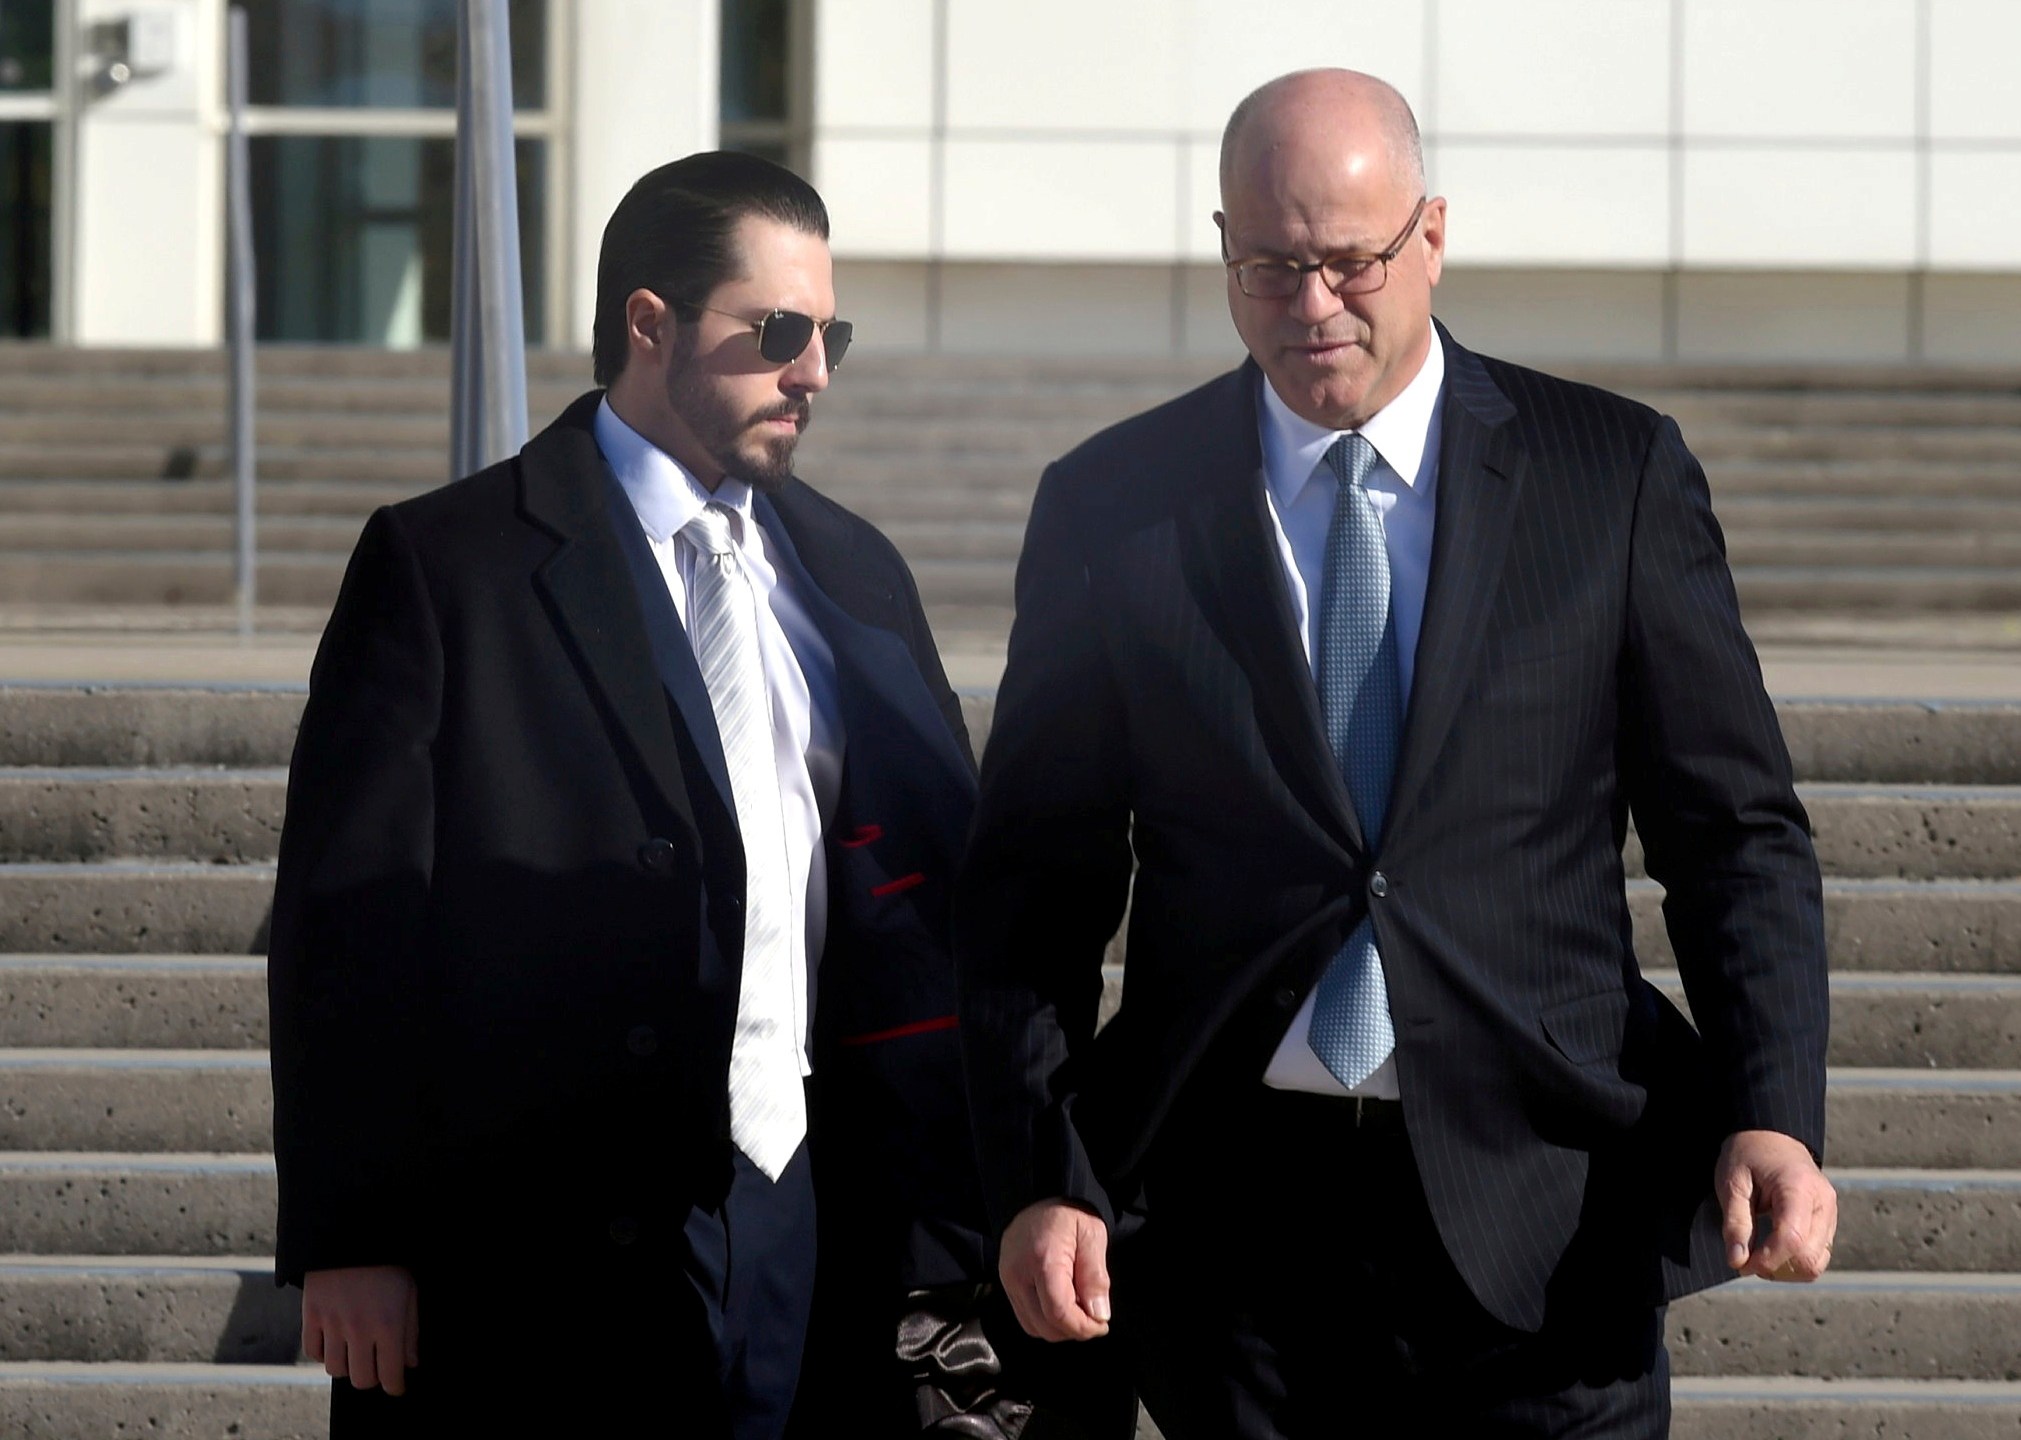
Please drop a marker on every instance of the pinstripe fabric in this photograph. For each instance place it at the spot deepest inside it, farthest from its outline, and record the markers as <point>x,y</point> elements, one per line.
<point>768,1107</point>
<point>1582,660</point>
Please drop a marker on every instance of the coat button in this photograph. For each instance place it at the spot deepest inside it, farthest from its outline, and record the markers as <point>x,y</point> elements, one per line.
<point>643,1041</point>
<point>623,1231</point>
<point>657,854</point>
<point>735,902</point>
<point>1286,998</point>
<point>1378,885</point>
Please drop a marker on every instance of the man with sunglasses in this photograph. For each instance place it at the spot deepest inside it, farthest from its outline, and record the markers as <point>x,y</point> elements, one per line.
<point>614,1056</point>
<point>1364,654</point>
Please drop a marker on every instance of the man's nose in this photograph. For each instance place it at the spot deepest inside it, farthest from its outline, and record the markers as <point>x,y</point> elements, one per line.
<point>1314,300</point>
<point>808,374</point>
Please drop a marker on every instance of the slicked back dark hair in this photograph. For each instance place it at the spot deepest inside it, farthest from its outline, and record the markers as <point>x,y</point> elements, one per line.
<point>673,234</point>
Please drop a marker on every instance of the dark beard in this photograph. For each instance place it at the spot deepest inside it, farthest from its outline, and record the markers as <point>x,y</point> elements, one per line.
<point>763,464</point>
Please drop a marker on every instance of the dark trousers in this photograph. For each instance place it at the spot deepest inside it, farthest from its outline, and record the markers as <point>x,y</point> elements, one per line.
<point>751,1260</point>
<point>1288,1282</point>
<point>693,1330</point>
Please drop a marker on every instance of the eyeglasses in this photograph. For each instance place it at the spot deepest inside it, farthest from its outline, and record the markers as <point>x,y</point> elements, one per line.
<point>1347,273</point>
<point>784,335</point>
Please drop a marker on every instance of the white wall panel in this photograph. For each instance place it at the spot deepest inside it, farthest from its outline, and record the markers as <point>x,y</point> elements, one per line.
<point>1975,50</point>
<point>1554,67</point>
<point>879,195</point>
<point>1230,49</point>
<point>1789,68</point>
<point>873,63</point>
<point>1198,237</point>
<point>1556,205</point>
<point>1975,210</point>
<point>1064,65</point>
<point>1060,199</point>
<point>631,116</point>
<point>1799,208</point>
<point>886,302</point>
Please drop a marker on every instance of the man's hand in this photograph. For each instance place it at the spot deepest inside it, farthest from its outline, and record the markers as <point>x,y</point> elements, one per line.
<point>1770,1176</point>
<point>1055,1270</point>
<point>363,1323</point>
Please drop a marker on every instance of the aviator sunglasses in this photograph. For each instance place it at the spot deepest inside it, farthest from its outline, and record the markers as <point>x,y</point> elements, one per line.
<point>783,335</point>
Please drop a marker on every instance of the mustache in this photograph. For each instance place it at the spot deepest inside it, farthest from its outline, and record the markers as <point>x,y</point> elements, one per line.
<point>800,412</point>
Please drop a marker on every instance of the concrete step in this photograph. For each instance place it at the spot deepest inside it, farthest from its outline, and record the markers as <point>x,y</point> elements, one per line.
<point>120,578</point>
<point>41,1400</point>
<point>144,498</point>
<point>77,815</point>
<point>1851,409</point>
<point>1752,549</point>
<point>1867,742</point>
<point>1847,1327</point>
<point>220,1100</point>
<point>146,1310</point>
<point>136,1204</point>
<point>1931,480</point>
<point>1850,1326</point>
<point>188,1101</point>
<point>1932,1023</point>
<point>208,1004</point>
<point>1955,832</point>
<point>67,725</point>
<point>135,908</point>
<point>1909,514</point>
<point>142,534</point>
<point>1874,444</point>
<point>70,1203</point>
<point>1924,1119</point>
<point>1772,1408</point>
<point>1878,588</point>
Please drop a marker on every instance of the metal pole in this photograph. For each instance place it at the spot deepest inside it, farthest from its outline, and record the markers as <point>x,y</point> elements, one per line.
<point>239,302</point>
<point>487,324</point>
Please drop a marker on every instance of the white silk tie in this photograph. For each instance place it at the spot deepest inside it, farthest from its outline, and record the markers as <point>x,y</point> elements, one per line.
<point>768,1105</point>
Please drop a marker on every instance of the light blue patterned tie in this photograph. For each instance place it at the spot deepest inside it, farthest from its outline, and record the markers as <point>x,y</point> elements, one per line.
<point>1361,699</point>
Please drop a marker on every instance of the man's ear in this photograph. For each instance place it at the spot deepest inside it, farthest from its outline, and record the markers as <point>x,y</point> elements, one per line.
<point>649,324</point>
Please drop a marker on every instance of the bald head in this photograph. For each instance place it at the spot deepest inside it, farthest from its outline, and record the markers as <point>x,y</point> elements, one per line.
<point>1334,108</point>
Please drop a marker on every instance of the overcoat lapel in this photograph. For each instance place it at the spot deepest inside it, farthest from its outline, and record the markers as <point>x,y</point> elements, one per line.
<point>1480,480</point>
<point>1229,553</point>
<point>588,588</point>
<point>869,658</point>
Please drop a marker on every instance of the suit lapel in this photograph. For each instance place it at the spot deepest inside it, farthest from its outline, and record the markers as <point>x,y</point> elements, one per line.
<point>1480,480</point>
<point>1229,550</point>
<point>588,588</point>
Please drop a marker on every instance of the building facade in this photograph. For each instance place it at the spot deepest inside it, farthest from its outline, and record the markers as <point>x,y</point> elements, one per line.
<point>1698,180</point>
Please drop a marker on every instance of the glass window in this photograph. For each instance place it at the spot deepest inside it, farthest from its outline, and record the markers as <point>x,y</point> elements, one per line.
<point>354,237</point>
<point>24,229</point>
<point>398,54</point>
<point>27,44</point>
<point>754,73</point>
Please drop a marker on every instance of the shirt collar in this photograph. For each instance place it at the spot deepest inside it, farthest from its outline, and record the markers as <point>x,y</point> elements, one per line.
<point>1293,447</point>
<point>663,491</point>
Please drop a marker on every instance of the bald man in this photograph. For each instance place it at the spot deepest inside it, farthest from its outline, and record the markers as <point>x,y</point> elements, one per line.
<point>1362,656</point>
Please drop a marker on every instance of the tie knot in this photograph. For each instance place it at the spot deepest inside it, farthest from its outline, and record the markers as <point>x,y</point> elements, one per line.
<point>711,530</point>
<point>1350,458</point>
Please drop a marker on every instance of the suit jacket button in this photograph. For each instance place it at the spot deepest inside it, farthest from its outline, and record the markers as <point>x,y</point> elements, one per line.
<point>735,902</point>
<point>623,1231</point>
<point>657,854</point>
<point>1378,885</point>
<point>1286,998</point>
<point>643,1041</point>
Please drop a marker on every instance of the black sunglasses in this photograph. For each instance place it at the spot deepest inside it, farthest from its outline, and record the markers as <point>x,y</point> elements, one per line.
<point>783,335</point>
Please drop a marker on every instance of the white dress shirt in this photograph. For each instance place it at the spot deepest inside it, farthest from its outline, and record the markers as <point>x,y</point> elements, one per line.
<point>799,671</point>
<point>1301,489</point>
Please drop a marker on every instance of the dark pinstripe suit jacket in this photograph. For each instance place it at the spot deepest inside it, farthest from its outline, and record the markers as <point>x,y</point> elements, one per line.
<point>1581,659</point>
